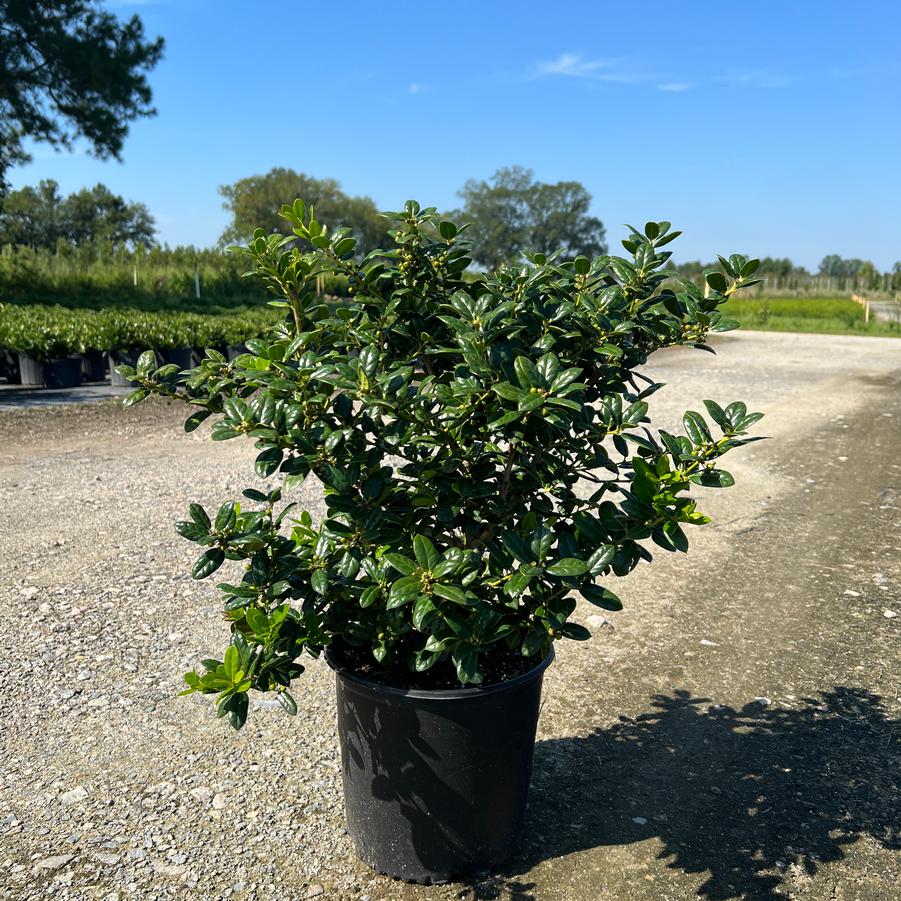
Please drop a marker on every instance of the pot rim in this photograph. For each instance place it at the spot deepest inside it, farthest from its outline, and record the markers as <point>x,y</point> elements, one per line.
<point>437,694</point>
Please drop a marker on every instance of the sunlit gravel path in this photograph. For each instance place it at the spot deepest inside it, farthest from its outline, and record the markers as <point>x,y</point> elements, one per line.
<point>733,733</point>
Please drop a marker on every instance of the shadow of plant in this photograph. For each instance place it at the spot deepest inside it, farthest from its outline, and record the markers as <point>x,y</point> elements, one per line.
<point>742,795</point>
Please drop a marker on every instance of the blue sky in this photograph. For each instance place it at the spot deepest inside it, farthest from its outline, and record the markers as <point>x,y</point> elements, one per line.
<point>763,128</point>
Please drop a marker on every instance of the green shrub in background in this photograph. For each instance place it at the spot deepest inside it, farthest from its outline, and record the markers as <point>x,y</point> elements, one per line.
<point>42,337</point>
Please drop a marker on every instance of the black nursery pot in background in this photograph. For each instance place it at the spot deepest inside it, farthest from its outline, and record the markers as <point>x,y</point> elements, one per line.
<point>31,371</point>
<point>122,358</point>
<point>9,367</point>
<point>183,357</point>
<point>436,782</point>
<point>63,373</point>
<point>93,365</point>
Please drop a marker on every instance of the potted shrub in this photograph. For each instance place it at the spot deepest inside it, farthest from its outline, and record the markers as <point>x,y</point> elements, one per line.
<point>9,359</point>
<point>48,342</point>
<point>236,329</point>
<point>206,332</point>
<point>95,339</point>
<point>125,337</point>
<point>172,335</point>
<point>486,459</point>
<point>227,332</point>
<point>214,331</point>
<point>194,330</point>
<point>130,332</point>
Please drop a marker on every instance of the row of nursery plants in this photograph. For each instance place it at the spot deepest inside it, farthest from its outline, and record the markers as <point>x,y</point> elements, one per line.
<point>54,332</point>
<point>101,275</point>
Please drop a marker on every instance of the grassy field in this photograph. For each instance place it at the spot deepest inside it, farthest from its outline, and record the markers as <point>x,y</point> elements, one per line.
<point>829,315</point>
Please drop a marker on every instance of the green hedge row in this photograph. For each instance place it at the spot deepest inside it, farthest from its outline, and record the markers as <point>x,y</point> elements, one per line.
<point>49,333</point>
<point>102,276</point>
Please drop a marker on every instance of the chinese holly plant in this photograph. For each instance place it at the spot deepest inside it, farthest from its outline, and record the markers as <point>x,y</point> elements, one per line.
<point>482,443</point>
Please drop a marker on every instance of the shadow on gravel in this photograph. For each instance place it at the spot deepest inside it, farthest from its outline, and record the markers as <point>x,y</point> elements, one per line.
<point>742,795</point>
<point>15,397</point>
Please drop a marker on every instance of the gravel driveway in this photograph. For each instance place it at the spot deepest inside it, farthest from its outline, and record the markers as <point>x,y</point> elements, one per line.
<point>733,733</point>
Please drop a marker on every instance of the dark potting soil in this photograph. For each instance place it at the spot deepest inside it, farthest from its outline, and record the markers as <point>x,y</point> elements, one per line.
<point>497,666</point>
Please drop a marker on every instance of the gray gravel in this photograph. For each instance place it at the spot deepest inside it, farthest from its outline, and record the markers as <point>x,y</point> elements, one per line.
<point>111,788</point>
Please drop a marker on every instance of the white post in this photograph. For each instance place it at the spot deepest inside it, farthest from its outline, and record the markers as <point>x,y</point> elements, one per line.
<point>135,275</point>
<point>197,283</point>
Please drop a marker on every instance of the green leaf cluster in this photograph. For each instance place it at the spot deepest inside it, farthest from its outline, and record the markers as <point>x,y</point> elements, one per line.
<point>484,446</point>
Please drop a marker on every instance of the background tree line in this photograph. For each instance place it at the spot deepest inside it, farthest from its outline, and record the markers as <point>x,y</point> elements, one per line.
<point>835,273</point>
<point>510,211</point>
<point>40,217</point>
<point>72,70</point>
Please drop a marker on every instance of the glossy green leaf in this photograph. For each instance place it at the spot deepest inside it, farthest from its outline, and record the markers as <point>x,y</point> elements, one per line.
<point>289,705</point>
<point>466,662</point>
<point>426,555</point>
<point>568,566</point>
<point>424,611</point>
<point>198,514</point>
<point>208,562</point>
<point>226,517</point>
<point>600,559</point>
<point>717,281</point>
<point>717,414</point>
<point>450,593</point>
<point>403,591</point>
<point>401,563</point>
<point>575,631</point>
<point>714,478</point>
<point>601,597</point>
<point>696,428</point>
<point>527,373</point>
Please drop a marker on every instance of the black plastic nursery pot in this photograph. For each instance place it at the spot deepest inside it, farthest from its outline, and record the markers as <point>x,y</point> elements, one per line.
<point>93,366</point>
<point>62,373</point>
<point>436,782</point>
<point>9,367</point>
<point>183,357</point>
<point>122,358</point>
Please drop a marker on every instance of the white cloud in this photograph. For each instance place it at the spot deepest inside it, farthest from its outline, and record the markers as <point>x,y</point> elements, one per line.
<point>416,88</point>
<point>574,65</point>
<point>674,87</point>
